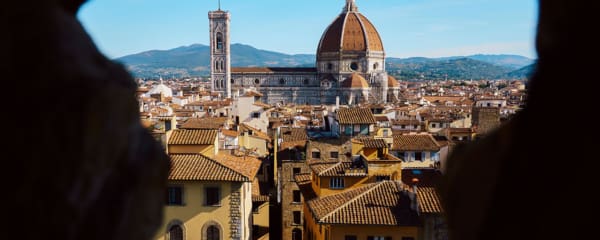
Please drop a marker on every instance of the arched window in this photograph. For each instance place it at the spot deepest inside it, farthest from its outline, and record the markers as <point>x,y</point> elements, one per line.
<point>329,66</point>
<point>296,234</point>
<point>219,40</point>
<point>306,81</point>
<point>375,66</point>
<point>212,233</point>
<point>176,232</point>
<point>256,81</point>
<point>281,81</point>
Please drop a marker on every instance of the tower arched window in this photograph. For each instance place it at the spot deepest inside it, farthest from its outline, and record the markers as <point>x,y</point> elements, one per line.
<point>175,233</point>
<point>219,41</point>
<point>213,233</point>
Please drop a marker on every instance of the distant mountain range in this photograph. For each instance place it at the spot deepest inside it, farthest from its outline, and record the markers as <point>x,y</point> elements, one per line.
<point>194,60</point>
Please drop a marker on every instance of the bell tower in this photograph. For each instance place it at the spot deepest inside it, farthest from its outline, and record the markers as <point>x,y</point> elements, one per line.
<point>220,63</point>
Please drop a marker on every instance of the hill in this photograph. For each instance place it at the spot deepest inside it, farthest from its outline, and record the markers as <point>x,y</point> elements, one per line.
<point>194,60</point>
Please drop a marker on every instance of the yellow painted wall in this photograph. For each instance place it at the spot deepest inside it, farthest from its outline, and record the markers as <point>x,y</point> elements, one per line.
<point>386,168</point>
<point>357,147</point>
<point>194,214</point>
<point>250,142</point>
<point>349,183</point>
<point>262,217</point>
<point>207,150</point>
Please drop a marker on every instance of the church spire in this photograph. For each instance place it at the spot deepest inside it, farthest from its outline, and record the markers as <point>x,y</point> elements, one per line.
<point>350,6</point>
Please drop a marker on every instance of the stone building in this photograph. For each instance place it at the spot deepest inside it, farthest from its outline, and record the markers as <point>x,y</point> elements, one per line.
<point>350,65</point>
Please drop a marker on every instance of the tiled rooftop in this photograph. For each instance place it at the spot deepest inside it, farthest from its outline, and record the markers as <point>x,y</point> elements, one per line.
<point>193,137</point>
<point>356,116</point>
<point>197,167</point>
<point>415,142</point>
<point>383,203</point>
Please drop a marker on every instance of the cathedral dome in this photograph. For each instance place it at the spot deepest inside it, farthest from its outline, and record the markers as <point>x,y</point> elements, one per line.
<point>392,82</point>
<point>355,81</point>
<point>350,31</point>
<point>161,88</point>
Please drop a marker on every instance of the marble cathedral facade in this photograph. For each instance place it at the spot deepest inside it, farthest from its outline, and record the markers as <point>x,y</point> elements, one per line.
<point>350,65</point>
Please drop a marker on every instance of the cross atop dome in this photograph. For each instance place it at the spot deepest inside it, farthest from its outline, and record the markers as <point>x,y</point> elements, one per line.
<point>350,6</point>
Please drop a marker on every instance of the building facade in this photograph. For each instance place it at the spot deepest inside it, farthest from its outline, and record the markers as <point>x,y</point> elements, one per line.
<point>350,65</point>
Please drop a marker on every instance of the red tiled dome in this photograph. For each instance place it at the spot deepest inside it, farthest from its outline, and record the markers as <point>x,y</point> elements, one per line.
<point>350,31</point>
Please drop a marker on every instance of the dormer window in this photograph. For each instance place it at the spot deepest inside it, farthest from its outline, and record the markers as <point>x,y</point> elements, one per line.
<point>219,41</point>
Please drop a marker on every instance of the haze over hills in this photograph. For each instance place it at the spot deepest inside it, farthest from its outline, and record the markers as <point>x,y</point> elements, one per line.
<point>194,60</point>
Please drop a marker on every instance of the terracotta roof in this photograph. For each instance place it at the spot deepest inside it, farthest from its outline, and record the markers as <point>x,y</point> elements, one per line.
<point>356,116</point>
<point>373,143</point>
<point>384,203</point>
<point>197,167</point>
<point>293,134</point>
<point>229,133</point>
<point>429,200</point>
<point>392,82</point>
<point>382,118</point>
<point>271,70</point>
<point>204,123</point>
<point>246,165</point>
<point>415,142</point>
<point>355,80</point>
<point>336,168</point>
<point>350,31</point>
<point>255,131</point>
<point>193,137</point>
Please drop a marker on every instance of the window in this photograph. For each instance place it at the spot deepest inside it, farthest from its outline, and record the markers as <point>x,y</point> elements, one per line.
<point>433,125</point>
<point>297,218</point>
<point>212,196</point>
<point>257,81</point>
<point>316,154</point>
<point>375,66</point>
<point>212,233</point>
<point>232,81</point>
<point>385,133</point>
<point>435,156</point>
<point>401,155</point>
<point>336,183</point>
<point>418,156</point>
<point>402,126</point>
<point>174,195</point>
<point>333,154</point>
<point>219,40</point>
<point>381,178</point>
<point>296,234</point>
<point>350,237</point>
<point>256,115</point>
<point>281,81</point>
<point>297,196</point>
<point>354,66</point>
<point>329,66</point>
<point>306,81</point>
<point>176,233</point>
<point>294,172</point>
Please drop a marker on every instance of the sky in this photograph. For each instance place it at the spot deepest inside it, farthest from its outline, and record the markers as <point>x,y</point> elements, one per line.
<point>408,28</point>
